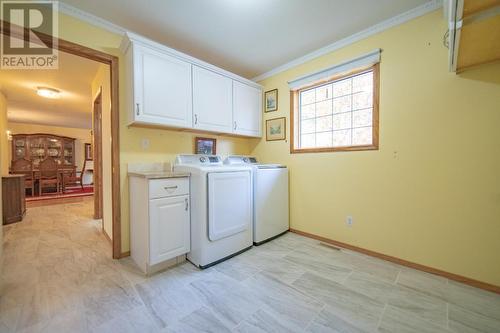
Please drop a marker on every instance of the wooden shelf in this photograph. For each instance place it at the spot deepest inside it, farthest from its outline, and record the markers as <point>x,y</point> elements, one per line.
<point>474,33</point>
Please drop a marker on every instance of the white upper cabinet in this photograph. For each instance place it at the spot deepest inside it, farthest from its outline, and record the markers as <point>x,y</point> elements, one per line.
<point>212,101</point>
<point>247,109</point>
<point>162,89</point>
<point>171,89</point>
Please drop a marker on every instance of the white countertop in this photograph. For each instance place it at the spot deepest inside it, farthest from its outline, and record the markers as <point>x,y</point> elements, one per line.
<point>158,174</point>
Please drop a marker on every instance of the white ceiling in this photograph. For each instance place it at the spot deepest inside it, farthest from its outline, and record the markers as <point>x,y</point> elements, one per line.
<point>73,108</point>
<point>247,37</point>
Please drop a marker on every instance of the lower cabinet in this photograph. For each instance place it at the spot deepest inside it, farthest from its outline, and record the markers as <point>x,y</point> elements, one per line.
<point>168,228</point>
<point>13,199</point>
<point>160,223</point>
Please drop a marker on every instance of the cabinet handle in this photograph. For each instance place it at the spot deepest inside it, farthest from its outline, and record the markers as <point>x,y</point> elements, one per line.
<point>235,125</point>
<point>195,119</point>
<point>170,187</point>
<point>187,204</point>
<point>137,108</point>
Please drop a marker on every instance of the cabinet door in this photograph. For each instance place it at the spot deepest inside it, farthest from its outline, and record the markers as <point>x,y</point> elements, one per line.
<point>19,150</point>
<point>212,101</point>
<point>247,109</point>
<point>162,89</point>
<point>169,230</point>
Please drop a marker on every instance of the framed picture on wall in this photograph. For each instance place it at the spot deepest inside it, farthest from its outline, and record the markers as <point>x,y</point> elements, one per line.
<point>206,146</point>
<point>276,129</point>
<point>271,100</point>
<point>89,154</point>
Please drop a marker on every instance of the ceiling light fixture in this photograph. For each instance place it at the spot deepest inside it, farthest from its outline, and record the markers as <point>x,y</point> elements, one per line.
<point>48,92</point>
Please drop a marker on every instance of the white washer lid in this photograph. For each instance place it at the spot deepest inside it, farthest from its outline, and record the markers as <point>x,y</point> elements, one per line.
<point>271,166</point>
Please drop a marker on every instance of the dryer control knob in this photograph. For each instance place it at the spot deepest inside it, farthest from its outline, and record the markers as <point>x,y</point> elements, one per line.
<point>245,159</point>
<point>203,159</point>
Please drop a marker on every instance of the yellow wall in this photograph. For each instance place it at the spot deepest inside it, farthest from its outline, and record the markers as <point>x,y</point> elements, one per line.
<point>164,145</point>
<point>431,194</point>
<point>81,135</point>
<point>4,144</point>
<point>102,81</point>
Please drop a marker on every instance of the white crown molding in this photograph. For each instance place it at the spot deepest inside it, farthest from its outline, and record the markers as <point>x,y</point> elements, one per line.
<point>375,29</point>
<point>90,18</point>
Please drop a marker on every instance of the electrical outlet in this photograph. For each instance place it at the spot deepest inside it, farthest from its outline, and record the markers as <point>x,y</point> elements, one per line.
<point>349,221</point>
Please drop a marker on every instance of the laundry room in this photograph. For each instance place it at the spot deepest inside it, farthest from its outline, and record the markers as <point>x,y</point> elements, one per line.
<point>264,166</point>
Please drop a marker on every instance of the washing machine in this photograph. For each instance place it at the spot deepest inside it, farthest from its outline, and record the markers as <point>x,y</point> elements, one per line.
<point>221,208</point>
<point>270,188</point>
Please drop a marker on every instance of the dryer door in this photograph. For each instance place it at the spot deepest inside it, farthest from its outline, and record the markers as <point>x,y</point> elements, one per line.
<point>229,203</point>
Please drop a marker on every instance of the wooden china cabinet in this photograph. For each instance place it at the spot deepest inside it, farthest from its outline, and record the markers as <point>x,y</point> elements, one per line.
<point>36,147</point>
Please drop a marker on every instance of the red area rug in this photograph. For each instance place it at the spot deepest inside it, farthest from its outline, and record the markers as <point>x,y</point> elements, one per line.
<point>71,192</point>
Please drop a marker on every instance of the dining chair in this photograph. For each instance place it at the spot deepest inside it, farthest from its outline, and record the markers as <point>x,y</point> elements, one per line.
<point>75,177</point>
<point>49,174</point>
<point>24,167</point>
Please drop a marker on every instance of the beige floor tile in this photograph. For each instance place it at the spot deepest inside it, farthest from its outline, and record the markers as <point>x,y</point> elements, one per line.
<point>474,299</point>
<point>353,307</point>
<point>430,284</point>
<point>262,321</point>
<point>57,275</point>
<point>462,320</point>
<point>396,321</point>
<point>201,320</point>
<point>328,321</point>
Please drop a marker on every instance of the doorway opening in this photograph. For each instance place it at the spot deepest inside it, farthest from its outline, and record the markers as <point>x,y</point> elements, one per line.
<point>100,153</point>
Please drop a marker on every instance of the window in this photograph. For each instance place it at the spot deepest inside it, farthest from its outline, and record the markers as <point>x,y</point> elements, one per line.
<point>337,115</point>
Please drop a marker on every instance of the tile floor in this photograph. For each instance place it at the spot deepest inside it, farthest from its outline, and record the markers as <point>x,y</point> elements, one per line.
<point>57,276</point>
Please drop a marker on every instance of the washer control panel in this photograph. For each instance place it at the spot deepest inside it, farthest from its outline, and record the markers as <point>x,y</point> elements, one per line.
<point>199,159</point>
<point>238,160</point>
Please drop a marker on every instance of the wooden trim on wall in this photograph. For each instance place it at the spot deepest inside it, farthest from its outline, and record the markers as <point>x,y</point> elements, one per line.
<point>294,105</point>
<point>293,110</point>
<point>125,254</point>
<point>112,61</point>
<point>97,157</point>
<point>115,159</point>
<point>332,150</point>
<point>402,262</point>
<point>376,101</point>
<point>107,236</point>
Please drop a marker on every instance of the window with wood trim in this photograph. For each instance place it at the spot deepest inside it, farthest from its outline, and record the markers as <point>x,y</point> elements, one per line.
<point>338,114</point>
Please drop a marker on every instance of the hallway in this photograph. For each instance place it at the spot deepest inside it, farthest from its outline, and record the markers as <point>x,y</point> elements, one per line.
<point>57,272</point>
